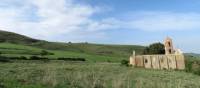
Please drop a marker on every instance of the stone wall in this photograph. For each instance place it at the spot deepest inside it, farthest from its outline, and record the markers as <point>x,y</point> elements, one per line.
<point>171,61</point>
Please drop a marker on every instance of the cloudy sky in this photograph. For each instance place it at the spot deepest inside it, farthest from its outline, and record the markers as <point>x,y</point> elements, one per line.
<point>137,22</point>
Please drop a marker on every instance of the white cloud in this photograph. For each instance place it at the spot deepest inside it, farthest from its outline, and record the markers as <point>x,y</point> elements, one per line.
<point>152,21</point>
<point>46,18</point>
<point>163,21</point>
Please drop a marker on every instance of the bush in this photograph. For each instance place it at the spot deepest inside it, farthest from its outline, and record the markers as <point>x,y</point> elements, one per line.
<point>108,61</point>
<point>38,58</point>
<point>71,59</point>
<point>124,62</point>
<point>4,59</point>
<point>23,58</point>
<point>44,52</point>
<point>8,59</point>
<point>18,58</point>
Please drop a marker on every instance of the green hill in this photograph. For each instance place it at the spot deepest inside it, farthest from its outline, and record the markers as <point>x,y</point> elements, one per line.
<point>14,38</point>
<point>15,50</point>
<point>12,44</point>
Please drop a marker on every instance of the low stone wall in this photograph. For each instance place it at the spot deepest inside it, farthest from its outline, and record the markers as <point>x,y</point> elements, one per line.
<point>171,61</point>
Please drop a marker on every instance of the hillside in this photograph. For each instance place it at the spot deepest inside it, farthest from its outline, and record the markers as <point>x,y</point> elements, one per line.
<point>192,54</point>
<point>15,50</point>
<point>15,38</point>
<point>87,48</point>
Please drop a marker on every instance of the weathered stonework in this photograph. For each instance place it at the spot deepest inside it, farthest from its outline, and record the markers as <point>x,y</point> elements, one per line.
<point>139,61</point>
<point>171,60</point>
<point>155,62</point>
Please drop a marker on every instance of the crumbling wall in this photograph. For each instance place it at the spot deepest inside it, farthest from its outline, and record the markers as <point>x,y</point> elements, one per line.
<point>171,61</point>
<point>155,62</point>
<point>147,61</point>
<point>139,61</point>
<point>163,61</point>
<point>180,62</point>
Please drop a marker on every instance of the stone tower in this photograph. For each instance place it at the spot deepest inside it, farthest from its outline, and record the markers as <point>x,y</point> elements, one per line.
<point>168,46</point>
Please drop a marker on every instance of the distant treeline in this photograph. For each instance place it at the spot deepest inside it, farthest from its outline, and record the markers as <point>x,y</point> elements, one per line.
<point>9,59</point>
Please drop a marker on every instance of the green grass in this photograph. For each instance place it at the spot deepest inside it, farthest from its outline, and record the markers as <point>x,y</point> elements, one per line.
<point>58,74</point>
<point>93,49</point>
<point>13,50</point>
<point>8,48</point>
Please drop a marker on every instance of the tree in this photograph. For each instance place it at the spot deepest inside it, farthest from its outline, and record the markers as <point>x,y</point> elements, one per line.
<point>155,48</point>
<point>125,63</point>
<point>0,53</point>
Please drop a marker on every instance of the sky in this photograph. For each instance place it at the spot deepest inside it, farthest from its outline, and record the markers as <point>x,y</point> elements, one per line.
<point>130,22</point>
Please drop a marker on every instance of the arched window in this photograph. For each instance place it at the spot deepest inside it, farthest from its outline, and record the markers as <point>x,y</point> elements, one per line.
<point>170,51</point>
<point>146,61</point>
<point>169,44</point>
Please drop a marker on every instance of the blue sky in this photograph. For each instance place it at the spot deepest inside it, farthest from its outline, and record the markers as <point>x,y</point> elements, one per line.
<point>132,22</point>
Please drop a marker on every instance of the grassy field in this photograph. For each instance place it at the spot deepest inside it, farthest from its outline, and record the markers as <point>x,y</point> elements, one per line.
<point>99,70</point>
<point>59,74</point>
<point>15,50</point>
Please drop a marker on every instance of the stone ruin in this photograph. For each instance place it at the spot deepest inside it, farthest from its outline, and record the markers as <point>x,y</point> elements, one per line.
<point>172,59</point>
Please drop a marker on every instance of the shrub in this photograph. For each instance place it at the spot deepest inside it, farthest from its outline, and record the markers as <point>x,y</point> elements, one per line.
<point>4,59</point>
<point>44,59</point>
<point>108,61</point>
<point>35,58</point>
<point>18,58</point>
<point>71,59</point>
<point>23,58</point>
<point>124,62</point>
<point>8,59</point>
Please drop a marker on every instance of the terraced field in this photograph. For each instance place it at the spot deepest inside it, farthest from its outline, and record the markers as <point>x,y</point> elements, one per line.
<point>15,50</point>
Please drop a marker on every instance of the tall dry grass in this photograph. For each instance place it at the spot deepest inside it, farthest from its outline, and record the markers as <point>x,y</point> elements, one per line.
<point>90,75</point>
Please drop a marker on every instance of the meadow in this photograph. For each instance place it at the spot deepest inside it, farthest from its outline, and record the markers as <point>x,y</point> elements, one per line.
<point>61,74</point>
<point>16,50</point>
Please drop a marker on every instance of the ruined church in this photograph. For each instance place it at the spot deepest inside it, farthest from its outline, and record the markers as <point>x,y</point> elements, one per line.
<point>172,59</point>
